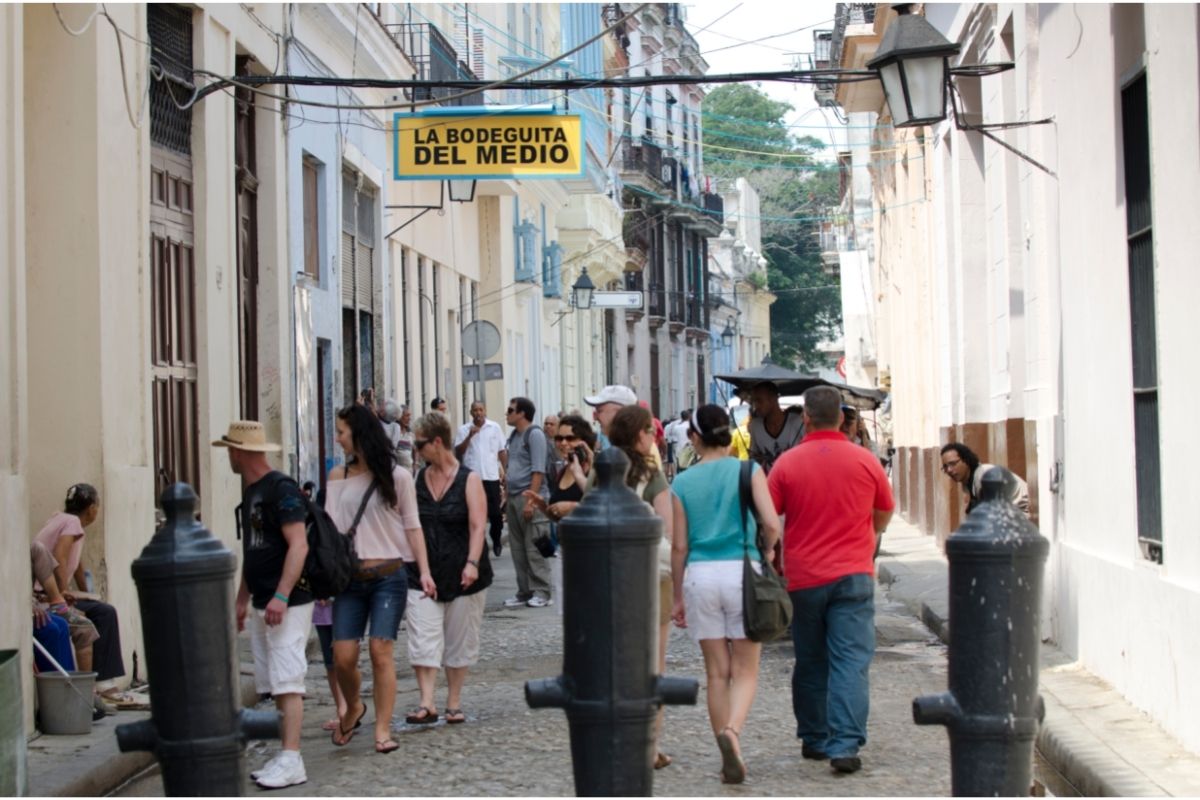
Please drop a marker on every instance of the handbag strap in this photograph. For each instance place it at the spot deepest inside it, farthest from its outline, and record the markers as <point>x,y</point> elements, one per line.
<point>746,500</point>
<point>362,507</point>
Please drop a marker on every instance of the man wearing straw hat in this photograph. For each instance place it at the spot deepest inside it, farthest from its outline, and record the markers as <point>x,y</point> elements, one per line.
<point>274,546</point>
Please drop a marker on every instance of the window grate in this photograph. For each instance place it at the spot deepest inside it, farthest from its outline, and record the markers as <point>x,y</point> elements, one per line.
<point>1135,130</point>
<point>170,31</point>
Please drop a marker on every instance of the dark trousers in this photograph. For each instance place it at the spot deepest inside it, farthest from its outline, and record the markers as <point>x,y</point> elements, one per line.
<point>495,515</point>
<point>106,652</point>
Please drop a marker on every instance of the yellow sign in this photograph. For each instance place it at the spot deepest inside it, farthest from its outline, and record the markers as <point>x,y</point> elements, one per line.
<point>488,146</point>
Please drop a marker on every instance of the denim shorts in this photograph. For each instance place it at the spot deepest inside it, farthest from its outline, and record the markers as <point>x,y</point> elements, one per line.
<point>382,600</point>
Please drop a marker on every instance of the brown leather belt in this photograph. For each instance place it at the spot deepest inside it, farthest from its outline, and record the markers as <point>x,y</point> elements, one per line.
<point>379,571</point>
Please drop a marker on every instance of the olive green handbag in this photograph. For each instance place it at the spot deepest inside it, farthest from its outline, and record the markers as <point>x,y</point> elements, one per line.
<point>766,605</point>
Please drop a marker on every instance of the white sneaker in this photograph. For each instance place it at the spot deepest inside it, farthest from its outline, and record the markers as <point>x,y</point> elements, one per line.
<point>287,771</point>
<point>265,768</point>
<point>539,602</point>
<point>512,602</point>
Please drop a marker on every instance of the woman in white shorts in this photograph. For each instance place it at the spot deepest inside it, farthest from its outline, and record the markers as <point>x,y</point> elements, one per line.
<point>443,630</point>
<point>710,540</point>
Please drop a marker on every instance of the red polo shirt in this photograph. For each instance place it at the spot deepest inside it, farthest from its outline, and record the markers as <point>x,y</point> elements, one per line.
<point>829,489</point>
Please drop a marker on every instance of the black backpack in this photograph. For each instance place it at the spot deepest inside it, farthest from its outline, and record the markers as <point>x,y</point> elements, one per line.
<point>331,561</point>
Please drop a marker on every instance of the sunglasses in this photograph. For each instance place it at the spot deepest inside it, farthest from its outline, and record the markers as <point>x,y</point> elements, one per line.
<point>512,411</point>
<point>419,443</point>
<point>949,465</point>
<point>565,438</point>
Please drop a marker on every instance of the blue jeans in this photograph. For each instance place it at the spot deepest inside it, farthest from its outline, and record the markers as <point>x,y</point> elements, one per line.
<point>833,633</point>
<point>382,600</point>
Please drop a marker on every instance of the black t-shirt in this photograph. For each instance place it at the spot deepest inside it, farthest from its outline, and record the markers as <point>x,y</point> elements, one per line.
<point>266,507</point>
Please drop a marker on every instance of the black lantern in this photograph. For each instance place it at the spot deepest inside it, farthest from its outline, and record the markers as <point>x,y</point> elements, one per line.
<point>728,334</point>
<point>461,191</point>
<point>913,65</point>
<point>582,290</point>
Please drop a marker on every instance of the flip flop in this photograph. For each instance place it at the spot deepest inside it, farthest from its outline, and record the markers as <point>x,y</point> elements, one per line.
<point>348,735</point>
<point>422,716</point>
<point>662,760</point>
<point>386,746</point>
<point>455,716</point>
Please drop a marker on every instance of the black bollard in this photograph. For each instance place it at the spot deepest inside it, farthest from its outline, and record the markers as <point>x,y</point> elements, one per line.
<point>993,708</point>
<point>186,594</point>
<point>609,688</point>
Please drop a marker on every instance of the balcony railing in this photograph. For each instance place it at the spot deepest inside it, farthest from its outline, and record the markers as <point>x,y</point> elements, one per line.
<point>657,300</point>
<point>435,60</point>
<point>645,158</point>
<point>714,207</point>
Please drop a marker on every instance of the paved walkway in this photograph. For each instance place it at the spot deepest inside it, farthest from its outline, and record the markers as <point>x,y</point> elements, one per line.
<point>1093,741</point>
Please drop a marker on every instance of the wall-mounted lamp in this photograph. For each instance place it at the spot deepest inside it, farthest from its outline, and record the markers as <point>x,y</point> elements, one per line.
<point>913,63</point>
<point>460,191</point>
<point>728,334</point>
<point>581,291</point>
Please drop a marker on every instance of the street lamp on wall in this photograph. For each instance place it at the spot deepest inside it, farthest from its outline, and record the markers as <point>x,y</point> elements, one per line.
<point>913,63</point>
<point>728,334</point>
<point>581,291</point>
<point>461,191</point>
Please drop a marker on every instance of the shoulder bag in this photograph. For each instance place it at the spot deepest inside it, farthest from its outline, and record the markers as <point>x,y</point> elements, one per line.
<point>766,606</point>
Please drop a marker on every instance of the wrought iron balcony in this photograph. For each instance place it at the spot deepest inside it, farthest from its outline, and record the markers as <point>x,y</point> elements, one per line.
<point>435,60</point>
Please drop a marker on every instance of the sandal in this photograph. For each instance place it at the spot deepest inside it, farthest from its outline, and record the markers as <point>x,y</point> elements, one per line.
<point>733,769</point>
<point>422,715</point>
<point>455,716</point>
<point>348,735</point>
<point>386,746</point>
<point>662,760</point>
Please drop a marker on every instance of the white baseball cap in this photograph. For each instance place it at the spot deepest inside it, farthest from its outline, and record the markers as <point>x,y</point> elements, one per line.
<point>621,395</point>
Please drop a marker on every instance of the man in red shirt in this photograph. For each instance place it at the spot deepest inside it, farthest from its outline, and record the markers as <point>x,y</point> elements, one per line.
<point>837,501</point>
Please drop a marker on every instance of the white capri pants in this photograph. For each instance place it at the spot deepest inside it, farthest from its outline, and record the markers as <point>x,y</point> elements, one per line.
<point>444,634</point>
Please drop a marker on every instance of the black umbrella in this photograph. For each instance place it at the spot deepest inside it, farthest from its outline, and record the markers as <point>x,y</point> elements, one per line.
<point>790,382</point>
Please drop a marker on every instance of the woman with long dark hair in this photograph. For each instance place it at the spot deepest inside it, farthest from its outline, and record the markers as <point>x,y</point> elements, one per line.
<point>711,539</point>
<point>388,536</point>
<point>633,431</point>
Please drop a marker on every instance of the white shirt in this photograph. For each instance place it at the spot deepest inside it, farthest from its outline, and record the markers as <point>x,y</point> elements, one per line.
<point>678,433</point>
<point>482,453</point>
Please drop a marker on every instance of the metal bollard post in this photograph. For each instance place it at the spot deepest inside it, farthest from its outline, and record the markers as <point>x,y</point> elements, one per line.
<point>993,709</point>
<point>608,687</point>
<point>184,578</point>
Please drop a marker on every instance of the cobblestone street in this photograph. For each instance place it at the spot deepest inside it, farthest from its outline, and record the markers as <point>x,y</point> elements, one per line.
<point>506,749</point>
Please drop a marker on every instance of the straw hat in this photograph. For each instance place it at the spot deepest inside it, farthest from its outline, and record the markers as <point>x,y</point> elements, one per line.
<point>247,435</point>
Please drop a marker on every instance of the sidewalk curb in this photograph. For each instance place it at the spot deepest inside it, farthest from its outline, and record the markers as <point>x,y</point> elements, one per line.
<point>1071,739</point>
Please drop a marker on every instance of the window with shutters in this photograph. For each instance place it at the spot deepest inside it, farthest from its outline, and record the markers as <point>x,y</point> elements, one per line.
<point>359,291</point>
<point>1135,129</point>
<point>246,200</point>
<point>312,219</point>
<point>174,369</point>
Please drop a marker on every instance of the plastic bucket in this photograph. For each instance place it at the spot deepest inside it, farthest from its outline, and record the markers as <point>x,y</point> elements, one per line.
<point>65,705</point>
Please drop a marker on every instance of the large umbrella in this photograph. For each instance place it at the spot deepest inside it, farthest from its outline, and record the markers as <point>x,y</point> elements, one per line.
<point>790,382</point>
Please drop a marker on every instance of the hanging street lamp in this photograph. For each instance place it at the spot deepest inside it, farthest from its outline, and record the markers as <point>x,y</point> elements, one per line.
<point>914,67</point>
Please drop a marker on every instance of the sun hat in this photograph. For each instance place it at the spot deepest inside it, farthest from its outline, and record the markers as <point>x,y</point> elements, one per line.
<point>621,395</point>
<point>247,435</point>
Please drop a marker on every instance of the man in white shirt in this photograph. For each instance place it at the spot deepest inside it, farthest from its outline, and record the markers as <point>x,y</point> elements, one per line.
<point>677,437</point>
<point>478,446</point>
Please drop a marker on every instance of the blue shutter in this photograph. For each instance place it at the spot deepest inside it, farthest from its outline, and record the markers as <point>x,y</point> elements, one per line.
<point>552,270</point>
<point>525,235</point>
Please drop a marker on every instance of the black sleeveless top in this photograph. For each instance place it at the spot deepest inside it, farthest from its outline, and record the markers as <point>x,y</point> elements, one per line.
<point>448,539</point>
<point>572,493</point>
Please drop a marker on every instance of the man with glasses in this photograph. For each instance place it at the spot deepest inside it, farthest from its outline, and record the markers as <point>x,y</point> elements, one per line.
<point>962,466</point>
<point>605,406</point>
<point>479,445</point>
<point>525,468</point>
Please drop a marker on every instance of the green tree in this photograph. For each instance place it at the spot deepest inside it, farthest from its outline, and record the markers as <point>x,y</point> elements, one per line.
<point>746,135</point>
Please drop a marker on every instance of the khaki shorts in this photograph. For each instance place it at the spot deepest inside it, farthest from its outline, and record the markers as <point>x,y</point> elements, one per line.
<point>444,634</point>
<point>280,663</point>
<point>665,599</point>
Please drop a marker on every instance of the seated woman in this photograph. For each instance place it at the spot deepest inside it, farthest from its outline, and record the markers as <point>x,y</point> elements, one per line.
<point>62,536</point>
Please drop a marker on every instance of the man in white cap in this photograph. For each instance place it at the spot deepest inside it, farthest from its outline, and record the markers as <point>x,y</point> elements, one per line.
<point>274,548</point>
<point>605,406</point>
